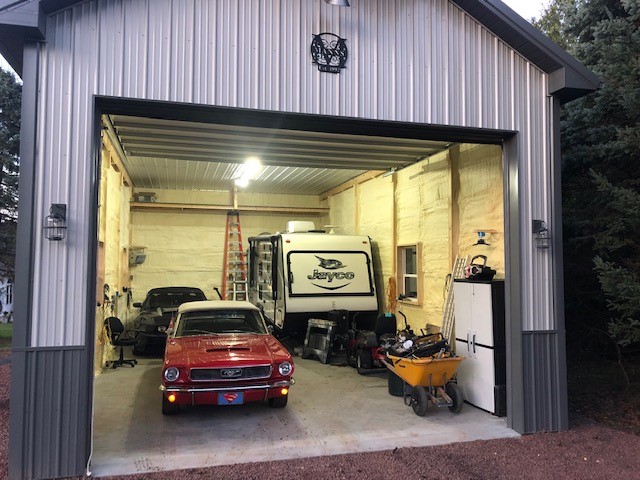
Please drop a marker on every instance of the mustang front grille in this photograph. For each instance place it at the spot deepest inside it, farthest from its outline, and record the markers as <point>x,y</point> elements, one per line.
<point>230,374</point>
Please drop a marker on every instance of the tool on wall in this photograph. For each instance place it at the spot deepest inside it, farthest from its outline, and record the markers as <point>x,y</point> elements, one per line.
<point>234,275</point>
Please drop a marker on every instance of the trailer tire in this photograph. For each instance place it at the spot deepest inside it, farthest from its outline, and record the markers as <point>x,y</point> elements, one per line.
<point>419,401</point>
<point>455,393</point>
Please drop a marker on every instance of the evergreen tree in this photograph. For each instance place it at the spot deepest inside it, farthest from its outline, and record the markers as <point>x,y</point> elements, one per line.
<point>601,178</point>
<point>10,102</point>
<point>553,22</point>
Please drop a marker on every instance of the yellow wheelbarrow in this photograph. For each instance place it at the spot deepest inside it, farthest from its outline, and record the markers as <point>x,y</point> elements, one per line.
<point>427,380</point>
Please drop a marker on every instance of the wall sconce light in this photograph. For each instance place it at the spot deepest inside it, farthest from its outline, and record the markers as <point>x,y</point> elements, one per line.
<point>55,225</point>
<point>339,3</point>
<point>541,234</point>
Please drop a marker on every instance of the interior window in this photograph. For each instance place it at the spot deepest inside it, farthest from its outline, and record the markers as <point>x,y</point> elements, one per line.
<point>409,279</point>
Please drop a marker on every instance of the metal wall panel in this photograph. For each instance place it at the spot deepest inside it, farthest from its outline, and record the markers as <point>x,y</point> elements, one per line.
<point>58,400</point>
<point>545,386</point>
<point>410,60</point>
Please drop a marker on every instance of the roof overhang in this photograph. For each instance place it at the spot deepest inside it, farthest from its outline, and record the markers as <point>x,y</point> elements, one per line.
<point>568,78</point>
<point>20,22</point>
<point>24,20</point>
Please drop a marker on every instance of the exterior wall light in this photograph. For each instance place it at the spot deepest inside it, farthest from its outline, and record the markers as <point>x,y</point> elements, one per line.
<point>541,234</point>
<point>339,3</point>
<point>55,225</point>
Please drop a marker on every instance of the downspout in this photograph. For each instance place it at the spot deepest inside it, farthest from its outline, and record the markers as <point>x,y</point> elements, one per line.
<point>562,406</point>
<point>18,436</point>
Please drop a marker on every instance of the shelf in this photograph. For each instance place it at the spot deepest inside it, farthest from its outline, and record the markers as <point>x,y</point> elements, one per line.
<point>191,207</point>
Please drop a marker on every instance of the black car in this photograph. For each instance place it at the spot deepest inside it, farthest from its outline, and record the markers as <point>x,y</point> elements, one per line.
<point>156,312</point>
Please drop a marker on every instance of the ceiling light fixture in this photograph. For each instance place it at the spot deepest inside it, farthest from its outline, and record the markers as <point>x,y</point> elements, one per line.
<point>248,171</point>
<point>391,171</point>
<point>252,168</point>
<point>339,3</point>
<point>242,182</point>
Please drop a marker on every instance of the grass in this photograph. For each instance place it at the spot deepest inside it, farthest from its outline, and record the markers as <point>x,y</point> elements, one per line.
<point>6,333</point>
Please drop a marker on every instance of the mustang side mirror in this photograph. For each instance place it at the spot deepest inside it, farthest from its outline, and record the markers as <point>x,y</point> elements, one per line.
<point>169,331</point>
<point>270,329</point>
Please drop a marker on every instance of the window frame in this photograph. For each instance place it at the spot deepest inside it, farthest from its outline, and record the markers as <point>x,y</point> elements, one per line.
<point>401,274</point>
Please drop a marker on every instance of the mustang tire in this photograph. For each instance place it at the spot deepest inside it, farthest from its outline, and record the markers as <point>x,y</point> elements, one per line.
<point>279,402</point>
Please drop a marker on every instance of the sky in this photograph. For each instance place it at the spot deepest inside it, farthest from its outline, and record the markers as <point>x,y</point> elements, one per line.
<point>525,8</point>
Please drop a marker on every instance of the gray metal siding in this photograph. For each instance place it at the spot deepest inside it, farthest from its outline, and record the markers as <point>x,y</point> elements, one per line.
<point>410,60</point>
<point>57,399</point>
<point>545,396</point>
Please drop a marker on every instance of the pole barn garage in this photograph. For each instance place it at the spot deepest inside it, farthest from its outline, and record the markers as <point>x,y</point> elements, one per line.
<point>323,82</point>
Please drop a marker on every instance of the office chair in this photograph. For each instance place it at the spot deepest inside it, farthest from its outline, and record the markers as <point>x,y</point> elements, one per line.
<point>115,332</point>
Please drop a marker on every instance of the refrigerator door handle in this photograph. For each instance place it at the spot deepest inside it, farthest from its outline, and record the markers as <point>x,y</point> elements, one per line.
<point>474,343</point>
<point>467,342</point>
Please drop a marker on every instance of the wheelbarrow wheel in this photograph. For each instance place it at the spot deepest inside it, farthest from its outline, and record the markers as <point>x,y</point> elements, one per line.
<point>419,401</point>
<point>455,393</point>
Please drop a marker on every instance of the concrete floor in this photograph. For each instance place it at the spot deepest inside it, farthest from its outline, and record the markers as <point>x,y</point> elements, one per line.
<point>332,410</point>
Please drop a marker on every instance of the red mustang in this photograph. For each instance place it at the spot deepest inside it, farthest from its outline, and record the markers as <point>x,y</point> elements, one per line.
<point>221,353</point>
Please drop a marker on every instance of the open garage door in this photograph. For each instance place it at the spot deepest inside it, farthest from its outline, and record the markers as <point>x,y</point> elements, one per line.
<point>168,179</point>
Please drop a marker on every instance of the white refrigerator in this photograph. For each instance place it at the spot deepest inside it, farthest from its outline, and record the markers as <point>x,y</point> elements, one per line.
<point>480,337</point>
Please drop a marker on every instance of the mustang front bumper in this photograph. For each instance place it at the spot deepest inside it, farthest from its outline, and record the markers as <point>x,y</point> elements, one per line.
<point>192,389</point>
<point>195,395</point>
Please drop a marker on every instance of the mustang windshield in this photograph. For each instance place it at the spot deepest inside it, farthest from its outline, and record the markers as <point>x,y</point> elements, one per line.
<point>213,322</point>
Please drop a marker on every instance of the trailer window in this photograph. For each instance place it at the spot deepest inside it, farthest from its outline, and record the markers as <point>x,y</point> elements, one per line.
<point>409,267</point>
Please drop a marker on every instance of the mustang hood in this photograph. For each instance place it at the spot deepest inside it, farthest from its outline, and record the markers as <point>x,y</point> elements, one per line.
<point>210,351</point>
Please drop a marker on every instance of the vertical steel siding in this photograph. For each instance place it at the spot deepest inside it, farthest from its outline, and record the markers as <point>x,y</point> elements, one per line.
<point>544,396</point>
<point>56,392</point>
<point>409,60</point>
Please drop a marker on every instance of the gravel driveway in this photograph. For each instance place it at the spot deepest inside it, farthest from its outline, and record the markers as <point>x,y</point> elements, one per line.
<point>587,451</point>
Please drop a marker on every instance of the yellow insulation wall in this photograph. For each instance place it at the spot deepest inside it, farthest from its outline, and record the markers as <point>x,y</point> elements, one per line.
<point>113,242</point>
<point>187,248</point>
<point>423,198</point>
<point>376,220</point>
<point>343,212</point>
<point>481,203</point>
<point>436,206</point>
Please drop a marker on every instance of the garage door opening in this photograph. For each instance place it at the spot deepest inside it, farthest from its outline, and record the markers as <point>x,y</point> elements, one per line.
<point>166,186</point>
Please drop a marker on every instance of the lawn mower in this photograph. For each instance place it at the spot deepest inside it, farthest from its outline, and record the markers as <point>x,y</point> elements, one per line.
<point>366,349</point>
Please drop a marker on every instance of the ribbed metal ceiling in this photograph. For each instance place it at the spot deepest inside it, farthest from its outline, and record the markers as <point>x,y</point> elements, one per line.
<point>188,155</point>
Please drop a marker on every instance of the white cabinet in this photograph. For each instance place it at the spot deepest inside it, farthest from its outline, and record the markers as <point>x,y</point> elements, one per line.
<point>480,337</point>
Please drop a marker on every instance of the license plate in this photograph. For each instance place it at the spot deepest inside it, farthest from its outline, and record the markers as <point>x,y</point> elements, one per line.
<point>230,398</point>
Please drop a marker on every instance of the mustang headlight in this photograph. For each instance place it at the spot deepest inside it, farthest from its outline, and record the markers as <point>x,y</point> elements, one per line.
<point>171,374</point>
<point>285,368</point>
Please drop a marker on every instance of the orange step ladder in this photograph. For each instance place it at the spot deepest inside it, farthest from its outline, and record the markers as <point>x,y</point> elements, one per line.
<point>234,275</point>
